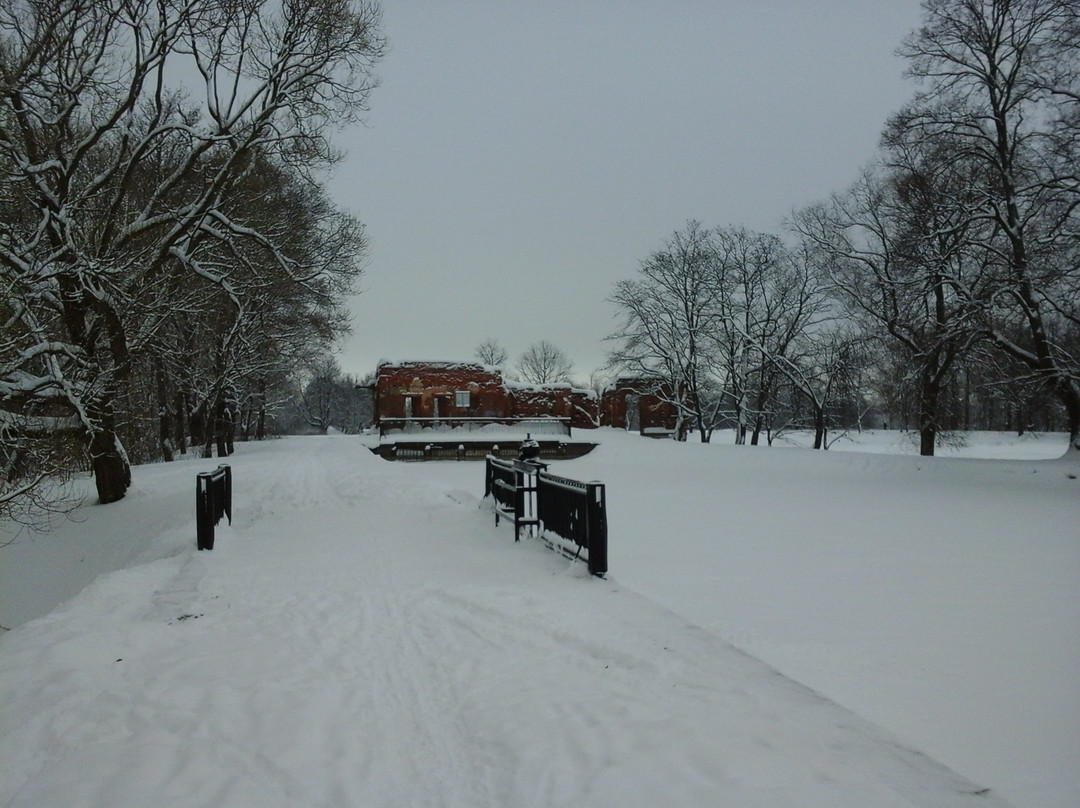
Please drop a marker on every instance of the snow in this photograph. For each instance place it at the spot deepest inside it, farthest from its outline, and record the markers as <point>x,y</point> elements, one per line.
<point>779,627</point>
<point>441,364</point>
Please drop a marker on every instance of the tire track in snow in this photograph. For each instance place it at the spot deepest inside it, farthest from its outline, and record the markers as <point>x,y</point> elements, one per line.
<point>345,654</point>
<point>377,703</point>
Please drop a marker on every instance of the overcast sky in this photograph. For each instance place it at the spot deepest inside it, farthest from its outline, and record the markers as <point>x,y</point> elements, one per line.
<point>519,158</point>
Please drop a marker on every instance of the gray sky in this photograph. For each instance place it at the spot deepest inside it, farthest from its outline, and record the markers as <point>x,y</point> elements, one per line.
<point>520,157</point>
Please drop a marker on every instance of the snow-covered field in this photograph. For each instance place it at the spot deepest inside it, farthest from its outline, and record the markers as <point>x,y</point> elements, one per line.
<point>780,627</point>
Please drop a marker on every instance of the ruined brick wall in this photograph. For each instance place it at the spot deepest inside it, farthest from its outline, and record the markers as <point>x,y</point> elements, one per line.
<point>559,401</point>
<point>654,411</point>
<point>432,388</point>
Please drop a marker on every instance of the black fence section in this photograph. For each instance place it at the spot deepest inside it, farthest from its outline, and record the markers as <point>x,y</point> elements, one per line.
<point>512,485</point>
<point>213,499</point>
<point>490,426</point>
<point>573,511</point>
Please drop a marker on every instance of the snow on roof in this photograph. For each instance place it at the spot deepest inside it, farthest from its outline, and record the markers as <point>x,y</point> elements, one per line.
<point>529,387</point>
<point>431,363</point>
<point>438,364</point>
<point>508,383</point>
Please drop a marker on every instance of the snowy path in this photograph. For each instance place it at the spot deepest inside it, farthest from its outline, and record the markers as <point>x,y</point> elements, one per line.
<point>360,637</point>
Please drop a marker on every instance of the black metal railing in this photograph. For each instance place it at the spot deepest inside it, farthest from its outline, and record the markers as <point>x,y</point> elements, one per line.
<point>213,499</point>
<point>570,515</point>
<point>512,486</point>
<point>575,511</point>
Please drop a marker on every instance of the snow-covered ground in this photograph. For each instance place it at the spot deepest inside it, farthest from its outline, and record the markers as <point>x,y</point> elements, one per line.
<point>780,627</point>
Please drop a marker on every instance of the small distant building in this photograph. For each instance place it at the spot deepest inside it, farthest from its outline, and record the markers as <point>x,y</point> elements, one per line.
<point>436,391</point>
<point>433,394</point>
<point>640,404</point>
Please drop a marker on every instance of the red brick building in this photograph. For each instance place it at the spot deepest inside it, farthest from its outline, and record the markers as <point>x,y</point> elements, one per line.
<point>439,390</point>
<point>639,404</point>
<point>580,407</point>
<point>432,393</point>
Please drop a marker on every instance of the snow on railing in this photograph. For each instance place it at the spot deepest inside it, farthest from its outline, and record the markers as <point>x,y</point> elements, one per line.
<point>570,516</point>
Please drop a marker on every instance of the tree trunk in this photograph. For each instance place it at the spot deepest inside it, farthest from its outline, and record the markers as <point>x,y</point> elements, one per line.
<point>165,430</point>
<point>740,427</point>
<point>109,463</point>
<point>165,419</point>
<point>228,429</point>
<point>198,423</point>
<point>740,420</point>
<point>704,430</point>
<point>218,432</point>
<point>929,392</point>
<point>209,427</point>
<point>927,439</point>
<point>759,417</point>
<point>1068,391</point>
<point>181,422</point>
<point>821,431</point>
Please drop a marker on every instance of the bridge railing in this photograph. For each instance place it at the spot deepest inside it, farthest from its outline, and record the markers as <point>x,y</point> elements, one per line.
<point>213,499</point>
<point>467,425</point>
<point>511,484</point>
<point>571,516</point>
<point>577,512</point>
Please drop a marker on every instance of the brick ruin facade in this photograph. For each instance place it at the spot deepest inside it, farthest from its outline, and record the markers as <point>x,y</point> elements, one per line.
<point>449,390</point>
<point>639,405</point>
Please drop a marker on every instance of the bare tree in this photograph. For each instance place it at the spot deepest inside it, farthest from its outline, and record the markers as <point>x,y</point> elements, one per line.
<point>321,401</point>
<point>894,247</point>
<point>490,352</point>
<point>36,466</point>
<point>767,297</point>
<point>742,264</point>
<point>1001,85</point>
<point>544,363</point>
<point>669,319</point>
<point>826,368</point>
<point>120,191</point>
<point>710,318</point>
